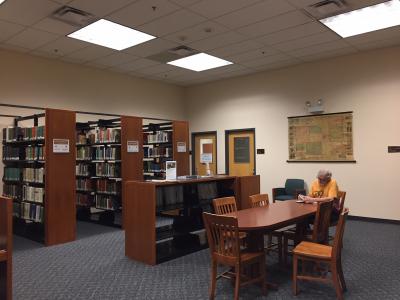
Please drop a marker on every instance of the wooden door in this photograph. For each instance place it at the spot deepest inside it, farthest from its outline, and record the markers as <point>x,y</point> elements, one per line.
<point>204,145</point>
<point>240,152</point>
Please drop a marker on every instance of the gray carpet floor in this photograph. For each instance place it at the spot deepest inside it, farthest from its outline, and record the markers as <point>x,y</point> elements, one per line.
<point>94,267</point>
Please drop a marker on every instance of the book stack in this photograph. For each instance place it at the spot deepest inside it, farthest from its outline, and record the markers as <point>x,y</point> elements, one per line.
<point>11,190</point>
<point>16,209</point>
<point>34,194</point>
<point>157,152</point>
<point>33,133</point>
<point>83,199</point>
<point>107,187</point>
<point>84,185</point>
<point>82,170</point>
<point>33,212</point>
<point>10,153</point>
<point>34,153</point>
<point>12,134</point>
<point>33,175</point>
<point>83,153</point>
<point>150,166</point>
<point>104,202</point>
<point>105,135</point>
<point>81,139</point>
<point>12,174</point>
<point>158,137</point>
<point>108,170</point>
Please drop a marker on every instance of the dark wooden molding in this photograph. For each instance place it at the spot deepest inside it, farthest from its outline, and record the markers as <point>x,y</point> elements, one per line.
<point>322,161</point>
<point>316,115</point>
<point>374,220</point>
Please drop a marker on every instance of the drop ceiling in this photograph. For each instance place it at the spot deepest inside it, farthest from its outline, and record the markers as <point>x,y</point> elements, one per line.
<point>256,35</point>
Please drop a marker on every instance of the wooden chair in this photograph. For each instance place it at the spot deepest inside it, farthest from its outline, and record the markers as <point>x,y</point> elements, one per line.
<point>320,232</point>
<point>334,221</point>
<point>330,255</point>
<point>224,242</point>
<point>260,200</point>
<point>224,205</point>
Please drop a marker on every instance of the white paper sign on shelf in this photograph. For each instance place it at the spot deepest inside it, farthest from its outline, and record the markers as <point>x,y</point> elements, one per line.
<point>170,170</point>
<point>181,146</point>
<point>206,158</point>
<point>132,146</point>
<point>60,145</point>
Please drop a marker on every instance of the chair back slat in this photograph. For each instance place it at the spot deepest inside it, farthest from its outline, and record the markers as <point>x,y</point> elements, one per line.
<point>224,205</point>
<point>322,222</point>
<point>338,240</point>
<point>222,234</point>
<point>342,197</point>
<point>258,200</point>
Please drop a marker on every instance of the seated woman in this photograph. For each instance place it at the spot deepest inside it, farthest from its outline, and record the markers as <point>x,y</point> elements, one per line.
<point>324,188</point>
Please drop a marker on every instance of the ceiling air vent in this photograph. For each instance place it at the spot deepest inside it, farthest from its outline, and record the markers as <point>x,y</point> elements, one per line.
<point>73,16</point>
<point>173,54</point>
<point>327,8</point>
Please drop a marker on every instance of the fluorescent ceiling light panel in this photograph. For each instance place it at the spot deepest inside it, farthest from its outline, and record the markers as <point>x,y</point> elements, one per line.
<point>112,35</point>
<point>366,19</point>
<point>1,1</point>
<point>200,62</point>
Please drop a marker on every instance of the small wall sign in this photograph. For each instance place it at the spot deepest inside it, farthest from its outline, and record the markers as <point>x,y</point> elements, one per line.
<point>181,146</point>
<point>132,146</point>
<point>60,145</point>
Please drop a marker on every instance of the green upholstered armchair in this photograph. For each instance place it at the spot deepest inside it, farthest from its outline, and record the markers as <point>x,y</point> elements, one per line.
<point>293,187</point>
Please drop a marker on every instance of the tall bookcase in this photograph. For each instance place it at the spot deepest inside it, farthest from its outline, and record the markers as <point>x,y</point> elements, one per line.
<point>108,153</point>
<point>5,248</point>
<point>163,142</point>
<point>39,176</point>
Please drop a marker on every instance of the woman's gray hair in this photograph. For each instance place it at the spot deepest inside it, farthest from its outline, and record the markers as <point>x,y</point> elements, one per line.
<point>324,173</point>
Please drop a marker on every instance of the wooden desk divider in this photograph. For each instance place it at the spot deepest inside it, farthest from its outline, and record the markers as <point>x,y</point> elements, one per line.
<point>5,248</point>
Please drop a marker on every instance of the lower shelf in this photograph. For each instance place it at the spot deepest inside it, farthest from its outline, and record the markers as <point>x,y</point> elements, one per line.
<point>101,217</point>
<point>30,230</point>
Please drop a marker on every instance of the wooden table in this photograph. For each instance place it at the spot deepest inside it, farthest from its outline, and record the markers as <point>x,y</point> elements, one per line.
<point>261,220</point>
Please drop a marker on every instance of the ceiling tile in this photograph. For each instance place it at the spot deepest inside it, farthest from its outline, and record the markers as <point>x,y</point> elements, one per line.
<point>328,54</point>
<point>292,33</point>
<point>281,22</point>
<point>43,54</point>
<point>236,73</point>
<point>302,3</point>
<point>313,50</point>
<point>307,41</point>
<point>62,1</point>
<point>279,65</point>
<point>14,48</point>
<point>138,64</point>
<point>212,9</point>
<point>197,32</point>
<point>237,48</point>
<point>389,33</point>
<point>55,26</point>
<point>95,65</point>
<point>171,23</point>
<point>72,60</point>
<point>218,41</point>
<point>117,69</point>
<point>184,3</point>
<point>7,30</point>
<point>253,54</point>
<point>270,59</point>
<point>32,38</point>
<point>115,59</point>
<point>63,46</point>
<point>99,8</point>
<point>160,68</point>
<point>177,72</point>
<point>225,69</point>
<point>378,44</point>
<point>90,53</point>
<point>255,13</point>
<point>151,47</point>
<point>26,12</point>
<point>141,12</point>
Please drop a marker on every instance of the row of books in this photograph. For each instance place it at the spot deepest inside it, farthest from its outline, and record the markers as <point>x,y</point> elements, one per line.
<point>82,170</point>
<point>10,153</point>
<point>110,153</point>
<point>151,166</point>
<point>13,174</point>
<point>34,153</point>
<point>34,194</point>
<point>169,197</point>
<point>104,135</point>
<point>107,186</point>
<point>106,202</point>
<point>157,152</point>
<point>84,184</point>
<point>84,153</point>
<point>12,134</point>
<point>81,138</point>
<point>158,137</point>
<point>84,199</point>
<point>108,169</point>
<point>33,212</point>
<point>11,190</point>
<point>33,175</point>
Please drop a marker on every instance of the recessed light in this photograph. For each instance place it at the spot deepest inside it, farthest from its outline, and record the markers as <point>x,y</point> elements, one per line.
<point>366,19</point>
<point>200,62</point>
<point>1,1</point>
<point>112,35</point>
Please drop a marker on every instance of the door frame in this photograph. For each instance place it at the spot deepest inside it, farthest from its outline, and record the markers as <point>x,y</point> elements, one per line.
<point>194,135</point>
<point>227,132</point>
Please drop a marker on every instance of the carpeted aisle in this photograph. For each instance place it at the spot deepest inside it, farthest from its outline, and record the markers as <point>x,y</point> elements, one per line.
<point>94,267</point>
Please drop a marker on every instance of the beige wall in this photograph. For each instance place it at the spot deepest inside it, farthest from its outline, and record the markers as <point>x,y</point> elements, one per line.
<point>367,84</point>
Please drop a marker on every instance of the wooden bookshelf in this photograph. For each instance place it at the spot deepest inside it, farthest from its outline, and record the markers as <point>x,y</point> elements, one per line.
<point>181,135</point>
<point>151,243</point>
<point>5,248</point>
<point>49,218</point>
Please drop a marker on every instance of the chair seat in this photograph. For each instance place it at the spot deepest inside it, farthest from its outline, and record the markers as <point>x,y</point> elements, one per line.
<point>284,197</point>
<point>313,250</point>
<point>3,255</point>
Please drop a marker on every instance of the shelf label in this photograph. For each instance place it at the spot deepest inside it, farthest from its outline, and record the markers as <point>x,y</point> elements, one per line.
<point>60,145</point>
<point>181,146</point>
<point>132,146</point>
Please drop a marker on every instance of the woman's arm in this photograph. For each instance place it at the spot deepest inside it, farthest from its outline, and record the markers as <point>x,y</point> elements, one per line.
<point>308,199</point>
